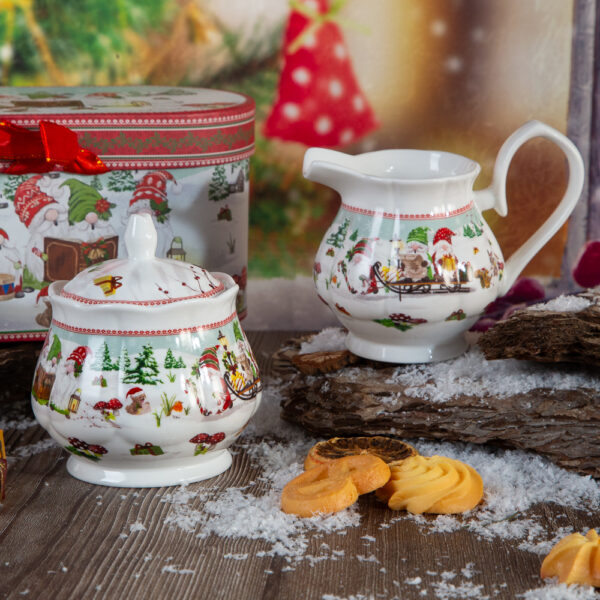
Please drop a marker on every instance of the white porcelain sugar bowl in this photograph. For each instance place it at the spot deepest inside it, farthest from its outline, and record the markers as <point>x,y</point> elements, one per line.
<point>146,376</point>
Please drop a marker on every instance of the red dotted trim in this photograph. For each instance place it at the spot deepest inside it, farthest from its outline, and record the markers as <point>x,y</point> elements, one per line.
<point>416,217</point>
<point>140,333</point>
<point>23,336</point>
<point>108,121</point>
<point>83,300</point>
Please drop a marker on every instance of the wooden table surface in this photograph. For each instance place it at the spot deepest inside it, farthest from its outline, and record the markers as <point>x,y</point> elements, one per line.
<point>63,538</point>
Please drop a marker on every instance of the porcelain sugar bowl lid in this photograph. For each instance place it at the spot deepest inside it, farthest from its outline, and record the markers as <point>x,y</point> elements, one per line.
<point>146,376</point>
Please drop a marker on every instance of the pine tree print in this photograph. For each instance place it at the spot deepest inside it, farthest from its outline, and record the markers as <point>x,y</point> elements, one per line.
<point>121,181</point>
<point>354,236</point>
<point>468,231</point>
<point>218,188</point>
<point>125,360</point>
<point>96,183</point>
<point>11,185</point>
<point>179,364</point>
<point>145,370</point>
<point>337,239</point>
<point>237,331</point>
<point>170,360</point>
<point>104,362</point>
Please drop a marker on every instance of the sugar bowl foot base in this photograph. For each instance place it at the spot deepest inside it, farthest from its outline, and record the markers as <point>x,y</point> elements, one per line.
<point>396,353</point>
<point>173,473</point>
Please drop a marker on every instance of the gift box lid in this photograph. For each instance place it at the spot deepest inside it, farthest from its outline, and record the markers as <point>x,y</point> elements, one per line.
<point>142,279</point>
<point>137,127</point>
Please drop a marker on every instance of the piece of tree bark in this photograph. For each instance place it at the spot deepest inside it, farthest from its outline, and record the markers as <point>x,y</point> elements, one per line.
<point>548,336</point>
<point>364,399</point>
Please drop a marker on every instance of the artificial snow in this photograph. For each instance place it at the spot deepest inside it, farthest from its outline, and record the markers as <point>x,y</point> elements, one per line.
<point>564,303</point>
<point>35,448</point>
<point>330,339</point>
<point>447,591</point>
<point>514,482</point>
<point>137,526</point>
<point>17,424</point>
<point>176,569</point>
<point>472,375</point>
<point>560,592</point>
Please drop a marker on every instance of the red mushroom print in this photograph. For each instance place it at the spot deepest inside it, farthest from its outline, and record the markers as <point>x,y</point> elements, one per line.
<point>587,270</point>
<point>217,437</point>
<point>319,102</point>
<point>205,442</point>
<point>109,409</point>
<point>202,441</point>
<point>114,404</point>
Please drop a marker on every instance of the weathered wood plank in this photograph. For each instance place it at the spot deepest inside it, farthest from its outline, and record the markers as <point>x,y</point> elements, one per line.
<point>51,521</point>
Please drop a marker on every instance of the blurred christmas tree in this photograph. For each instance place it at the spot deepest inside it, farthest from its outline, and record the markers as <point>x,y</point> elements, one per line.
<point>74,41</point>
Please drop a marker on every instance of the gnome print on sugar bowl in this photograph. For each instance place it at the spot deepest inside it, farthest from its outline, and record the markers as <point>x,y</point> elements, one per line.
<point>409,264</point>
<point>146,376</point>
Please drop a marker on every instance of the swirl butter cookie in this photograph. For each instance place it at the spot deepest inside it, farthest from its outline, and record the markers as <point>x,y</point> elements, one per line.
<point>575,559</point>
<point>434,484</point>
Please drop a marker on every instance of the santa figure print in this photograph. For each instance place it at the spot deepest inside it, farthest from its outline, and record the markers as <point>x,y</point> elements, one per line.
<point>444,259</point>
<point>41,205</point>
<point>66,385</point>
<point>151,196</point>
<point>10,261</point>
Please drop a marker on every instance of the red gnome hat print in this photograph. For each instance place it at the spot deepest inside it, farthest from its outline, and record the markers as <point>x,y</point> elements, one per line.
<point>151,193</point>
<point>319,101</point>
<point>444,234</point>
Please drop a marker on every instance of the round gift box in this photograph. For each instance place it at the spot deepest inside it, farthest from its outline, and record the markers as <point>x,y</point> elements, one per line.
<point>181,154</point>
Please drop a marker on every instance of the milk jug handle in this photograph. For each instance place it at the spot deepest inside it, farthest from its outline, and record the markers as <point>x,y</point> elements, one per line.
<point>495,195</point>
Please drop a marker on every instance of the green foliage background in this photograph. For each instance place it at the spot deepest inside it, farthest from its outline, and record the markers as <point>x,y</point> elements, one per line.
<point>93,42</point>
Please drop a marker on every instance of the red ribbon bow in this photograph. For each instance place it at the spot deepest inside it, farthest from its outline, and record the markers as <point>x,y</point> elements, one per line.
<point>52,148</point>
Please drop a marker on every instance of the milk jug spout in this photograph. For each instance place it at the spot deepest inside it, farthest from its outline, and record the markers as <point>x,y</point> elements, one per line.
<point>331,168</point>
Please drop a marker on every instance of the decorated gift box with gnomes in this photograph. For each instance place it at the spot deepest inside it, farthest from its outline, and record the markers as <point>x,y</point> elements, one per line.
<point>77,162</point>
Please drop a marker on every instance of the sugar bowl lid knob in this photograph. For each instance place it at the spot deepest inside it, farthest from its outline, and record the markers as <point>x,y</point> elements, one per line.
<point>140,237</point>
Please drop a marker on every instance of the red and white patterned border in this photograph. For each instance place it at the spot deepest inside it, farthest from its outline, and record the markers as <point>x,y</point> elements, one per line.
<point>415,217</point>
<point>83,300</point>
<point>141,333</point>
<point>174,163</point>
<point>23,336</point>
<point>128,120</point>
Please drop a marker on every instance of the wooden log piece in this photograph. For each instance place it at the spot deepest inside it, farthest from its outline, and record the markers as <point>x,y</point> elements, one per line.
<point>548,335</point>
<point>370,398</point>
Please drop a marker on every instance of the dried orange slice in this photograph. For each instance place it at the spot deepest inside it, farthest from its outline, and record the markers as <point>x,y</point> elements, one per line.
<point>318,490</point>
<point>387,449</point>
<point>368,472</point>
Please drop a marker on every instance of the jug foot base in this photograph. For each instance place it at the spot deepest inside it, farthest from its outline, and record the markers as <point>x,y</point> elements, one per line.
<point>396,353</point>
<point>175,472</point>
